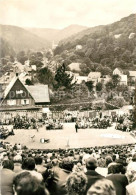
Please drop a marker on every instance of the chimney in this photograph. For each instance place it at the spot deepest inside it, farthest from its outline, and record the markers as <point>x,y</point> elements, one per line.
<point>16,74</point>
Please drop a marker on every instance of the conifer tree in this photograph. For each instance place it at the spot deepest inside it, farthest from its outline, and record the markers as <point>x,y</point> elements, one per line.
<point>63,79</point>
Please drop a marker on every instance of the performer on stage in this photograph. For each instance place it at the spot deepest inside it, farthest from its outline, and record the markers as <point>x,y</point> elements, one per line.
<point>76,127</point>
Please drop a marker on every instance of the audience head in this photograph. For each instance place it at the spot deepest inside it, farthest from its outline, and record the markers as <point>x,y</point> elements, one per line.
<point>76,183</point>
<point>78,167</point>
<point>17,159</point>
<point>28,164</point>
<point>102,187</point>
<point>108,160</point>
<point>26,184</point>
<point>91,163</point>
<point>114,168</point>
<point>8,164</point>
<point>55,162</point>
<point>67,165</point>
<point>38,160</point>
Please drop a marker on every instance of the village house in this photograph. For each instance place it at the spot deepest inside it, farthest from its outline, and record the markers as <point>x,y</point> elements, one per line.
<point>123,79</point>
<point>74,66</point>
<point>80,79</point>
<point>132,75</point>
<point>117,71</point>
<point>17,94</point>
<point>94,76</point>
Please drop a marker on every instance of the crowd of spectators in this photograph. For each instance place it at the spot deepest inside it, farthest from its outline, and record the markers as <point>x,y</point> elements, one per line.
<point>95,122</point>
<point>53,124</point>
<point>22,122</point>
<point>6,131</point>
<point>124,123</point>
<point>107,170</point>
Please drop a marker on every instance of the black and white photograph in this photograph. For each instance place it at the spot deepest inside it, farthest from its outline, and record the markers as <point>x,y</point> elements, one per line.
<point>67,97</point>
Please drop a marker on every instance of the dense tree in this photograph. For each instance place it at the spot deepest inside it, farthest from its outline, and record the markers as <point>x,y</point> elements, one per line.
<point>58,50</point>
<point>109,86</point>
<point>22,57</point>
<point>48,55</point>
<point>84,69</point>
<point>6,49</point>
<point>45,76</point>
<point>115,80</point>
<point>90,85</point>
<point>28,82</point>
<point>106,71</point>
<point>12,59</point>
<point>80,53</point>
<point>126,56</point>
<point>63,79</point>
<point>4,61</point>
<point>38,63</point>
<point>39,55</point>
<point>99,86</point>
<point>87,61</point>
<point>102,46</point>
<point>73,57</point>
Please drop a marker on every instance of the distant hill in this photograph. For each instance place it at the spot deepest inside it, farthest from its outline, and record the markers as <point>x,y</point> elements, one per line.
<point>44,33</point>
<point>21,39</point>
<point>125,26</point>
<point>5,48</point>
<point>70,30</point>
<point>103,48</point>
<point>55,34</point>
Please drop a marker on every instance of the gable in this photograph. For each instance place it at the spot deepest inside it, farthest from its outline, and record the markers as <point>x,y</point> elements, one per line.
<point>18,91</point>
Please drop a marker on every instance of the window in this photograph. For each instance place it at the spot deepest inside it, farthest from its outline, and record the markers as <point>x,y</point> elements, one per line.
<point>25,102</point>
<point>11,102</point>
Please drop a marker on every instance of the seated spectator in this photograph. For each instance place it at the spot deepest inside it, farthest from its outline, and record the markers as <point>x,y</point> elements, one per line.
<point>108,160</point>
<point>7,176</point>
<point>115,174</point>
<point>131,175</point>
<point>114,168</point>
<point>39,166</point>
<point>62,174</point>
<point>102,167</point>
<point>102,187</point>
<point>78,168</point>
<point>92,175</point>
<point>76,183</point>
<point>29,165</point>
<point>17,163</point>
<point>26,184</point>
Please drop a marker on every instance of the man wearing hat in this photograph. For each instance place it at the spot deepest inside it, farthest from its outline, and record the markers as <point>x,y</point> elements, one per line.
<point>92,175</point>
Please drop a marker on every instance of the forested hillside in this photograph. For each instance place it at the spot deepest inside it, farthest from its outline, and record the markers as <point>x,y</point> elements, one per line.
<point>5,48</point>
<point>103,47</point>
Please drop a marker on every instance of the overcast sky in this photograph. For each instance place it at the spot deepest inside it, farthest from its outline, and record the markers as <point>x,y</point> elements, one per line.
<point>62,13</point>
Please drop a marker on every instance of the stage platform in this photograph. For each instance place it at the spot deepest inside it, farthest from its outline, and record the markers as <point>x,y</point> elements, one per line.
<point>68,136</point>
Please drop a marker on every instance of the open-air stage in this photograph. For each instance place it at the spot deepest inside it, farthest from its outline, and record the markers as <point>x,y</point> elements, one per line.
<point>60,138</point>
